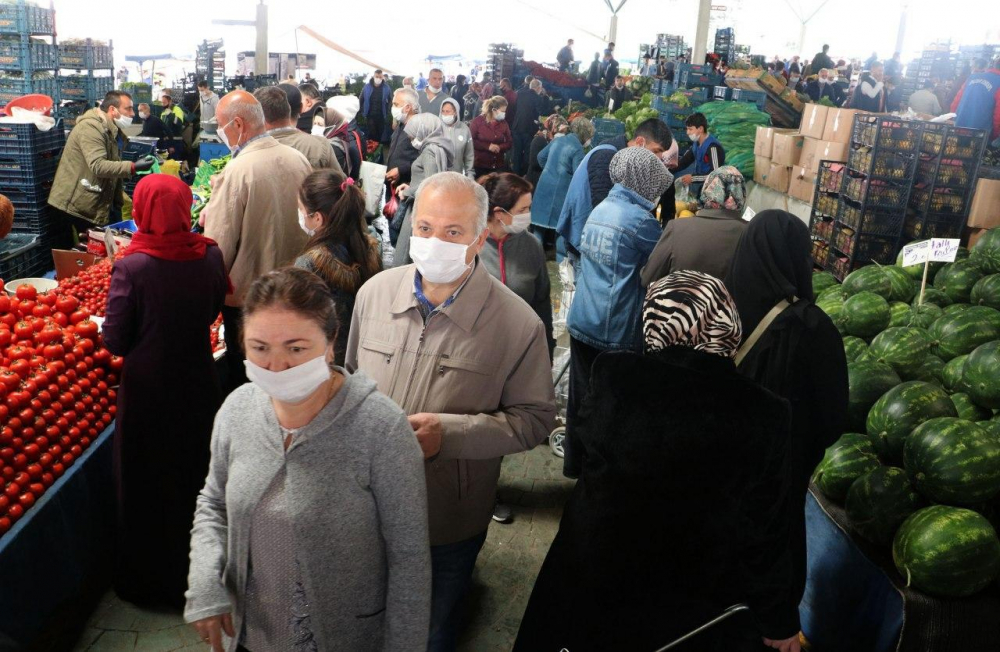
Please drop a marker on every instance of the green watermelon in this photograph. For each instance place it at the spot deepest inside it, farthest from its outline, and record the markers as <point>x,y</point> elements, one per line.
<point>951,377</point>
<point>916,272</point>
<point>899,314</point>
<point>833,290</point>
<point>954,308</point>
<point>865,315</point>
<point>903,349</point>
<point>930,371</point>
<point>981,375</point>
<point>953,461</point>
<point>986,251</point>
<point>833,306</point>
<point>957,280</point>
<point>925,315</point>
<point>902,287</point>
<point>867,381</point>
<point>845,461</point>
<point>992,426</point>
<point>933,295</point>
<point>879,501</point>
<point>855,348</point>
<point>822,281</point>
<point>968,409</point>
<point>961,332</point>
<point>986,292</point>
<point>900,410</point>
<point>947,551</point>
<point>870,278</point>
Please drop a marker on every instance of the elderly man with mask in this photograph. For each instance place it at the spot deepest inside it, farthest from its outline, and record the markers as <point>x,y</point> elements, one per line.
<point>312,105</point>
<point>280,125</point>
<point>402,153</point>
<point>433,94</point>
<point>253,212</point>
<point>467,360</point>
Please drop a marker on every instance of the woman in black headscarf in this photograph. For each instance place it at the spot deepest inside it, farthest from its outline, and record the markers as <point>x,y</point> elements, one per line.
<point>799,355</point>
<point>673,518</point>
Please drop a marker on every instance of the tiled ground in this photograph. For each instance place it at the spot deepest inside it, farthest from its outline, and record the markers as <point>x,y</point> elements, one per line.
<point>531,483</point>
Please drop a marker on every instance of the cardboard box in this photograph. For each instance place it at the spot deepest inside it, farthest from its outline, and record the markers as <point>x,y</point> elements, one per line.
<point>971,235</point>
<point>786,149</point>
<point>802,185</point>
<point>778,177</point>
<point>839,123</point>
<point>764,142</point>
<point>813,120</point>
<point>985,210</point>
<point>814,151</point>
<point>772,83</point>
<point>761,168</point>
<point>70,263</point>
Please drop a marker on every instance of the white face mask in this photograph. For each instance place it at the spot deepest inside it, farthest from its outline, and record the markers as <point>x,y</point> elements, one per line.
<point>144,116</point>
<point>225,139</point>
<point>434,89</point>
<point>302,224</point>
<point>378,82</point>
<point>448,119</point>
<point>500,115</point>
<point>438,261</point>
<point>317,130</point>
<point>520,224</point>
<point>397,113</point>
<point>292,385</point>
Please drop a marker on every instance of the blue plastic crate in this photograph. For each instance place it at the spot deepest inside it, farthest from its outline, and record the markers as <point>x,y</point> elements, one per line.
<point>22,56</point>
<point>85,57</point>
<point>722,93</point>
<point>12,88</point>
<point>29,197</point>
<point>750,97</point>
<point>605,128</point>
<point>85,87</point>
<point>26,19</point>
<point>692,80</point>
<point>27,139</point>
<point>16,255</point>
<point>41,221</point>
<point>29,169</point>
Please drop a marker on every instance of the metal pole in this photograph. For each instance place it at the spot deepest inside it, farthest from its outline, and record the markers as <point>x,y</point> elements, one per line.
<point>901,34</point>
<point>701,34</point>
<point>261,55</point>
<point>802,40</point>
<point>613,30</point>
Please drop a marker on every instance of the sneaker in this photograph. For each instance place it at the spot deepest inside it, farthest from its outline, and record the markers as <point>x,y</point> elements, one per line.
<point>556,439</point>
<point>502,513</point>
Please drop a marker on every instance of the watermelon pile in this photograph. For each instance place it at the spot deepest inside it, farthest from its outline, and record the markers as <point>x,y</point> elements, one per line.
<point>919,470</point>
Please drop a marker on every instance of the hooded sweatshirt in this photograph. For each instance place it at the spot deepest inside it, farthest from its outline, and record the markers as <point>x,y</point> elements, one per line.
<point>461,142</point>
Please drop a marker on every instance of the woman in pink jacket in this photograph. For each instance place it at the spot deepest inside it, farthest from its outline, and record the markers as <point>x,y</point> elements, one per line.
<point>491,137</point>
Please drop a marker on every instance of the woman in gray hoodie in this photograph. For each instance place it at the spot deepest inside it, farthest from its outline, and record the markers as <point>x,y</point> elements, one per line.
<point>461,138</point>
<point>311,531</point>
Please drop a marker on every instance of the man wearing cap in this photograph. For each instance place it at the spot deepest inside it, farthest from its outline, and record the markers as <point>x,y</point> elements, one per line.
<point>343,132</point>
<point>172,116</point>
<point>280,104</point>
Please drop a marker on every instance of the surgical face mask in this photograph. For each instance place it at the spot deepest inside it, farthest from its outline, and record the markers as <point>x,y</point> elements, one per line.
<point>123,120</point>
<point>317,130</point>
<point>302,224</point>
<point>500,115</point>
<point>438,261</point>
<point>448,119</point>
<point>520,224</point>
<point>397,113</point>
<point>225,139</point>
<point>143,116</point>
<point>434,89</point>
<point>292,385</point>
<point>378,81</point>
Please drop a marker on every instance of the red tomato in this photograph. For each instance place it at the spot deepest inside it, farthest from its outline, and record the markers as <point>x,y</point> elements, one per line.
<point>79,316</point>
<point>53,351</point>
<point>23,330</point>
<point>25,291</point>
<point>6,337</point>
<point>9,379</point>
<point>20,367</point>
<point>15,512</point>
<point>9,319</point>
<point>27,499</point>
<point>66,304</point>
<point>5,524</point>
<point>58,469</point>
<point>117,362</point>
<point>41,310</point>
<point>4,303</point>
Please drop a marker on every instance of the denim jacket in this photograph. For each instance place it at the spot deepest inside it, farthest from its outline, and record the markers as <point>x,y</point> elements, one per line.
<point>616,242</point>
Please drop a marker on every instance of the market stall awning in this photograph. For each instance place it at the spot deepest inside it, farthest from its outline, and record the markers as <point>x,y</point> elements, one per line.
<point>150,57</point>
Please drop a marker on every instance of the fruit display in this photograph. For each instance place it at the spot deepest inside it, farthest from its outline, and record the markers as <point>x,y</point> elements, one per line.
<point>919,466</point>
<point>89,287</point>
<point>57,387</point>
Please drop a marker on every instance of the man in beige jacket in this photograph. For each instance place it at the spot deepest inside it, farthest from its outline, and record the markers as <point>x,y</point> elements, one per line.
<point>279,120</point>
<point>253,212</point>
<point>467,359</point>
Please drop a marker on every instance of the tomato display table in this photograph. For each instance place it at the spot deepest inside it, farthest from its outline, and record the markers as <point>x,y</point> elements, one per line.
<point>856,600</point>
<point>61,546</point>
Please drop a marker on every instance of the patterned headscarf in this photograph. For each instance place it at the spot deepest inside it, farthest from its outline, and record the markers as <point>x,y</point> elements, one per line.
<point>641,171</point>
<point>584,130</point>
<point>556,124</point>
<point>691,309</point>
<point>724,188</point>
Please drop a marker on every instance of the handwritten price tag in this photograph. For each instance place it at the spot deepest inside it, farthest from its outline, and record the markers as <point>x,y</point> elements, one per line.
<point>916,253</point>
<point>943,250</point>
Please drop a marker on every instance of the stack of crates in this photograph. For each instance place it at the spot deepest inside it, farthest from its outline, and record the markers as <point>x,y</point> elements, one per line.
<point>825,208</point>
<point>606,129</point>
<point>504,60</point>
<point>759,98</point>
<point>81,88</point>
<point>136,149</point>
<point>24,58</point>
<point>210,65</point>
<point>689,75</point>
<point>936,61</point>
<point>674,114</point>
<point>28,161</point>
<point>725,44</point>
<point>947,169</point>
<point>670,46</point>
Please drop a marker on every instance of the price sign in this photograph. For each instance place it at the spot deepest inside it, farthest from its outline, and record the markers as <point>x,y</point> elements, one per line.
<point>916,253</point>
<point>943,250</point>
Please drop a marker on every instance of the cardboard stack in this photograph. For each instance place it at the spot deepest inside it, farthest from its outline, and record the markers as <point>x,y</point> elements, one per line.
<point>984,214</point>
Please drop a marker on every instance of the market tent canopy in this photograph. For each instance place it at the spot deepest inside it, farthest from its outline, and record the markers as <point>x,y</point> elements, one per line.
<point>339,48</point>
<point>445,57</point>
<point>151,57</point>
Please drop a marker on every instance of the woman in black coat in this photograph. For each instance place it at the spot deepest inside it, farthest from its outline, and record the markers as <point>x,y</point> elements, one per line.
<point>672,519</point>
<point>799,357</point>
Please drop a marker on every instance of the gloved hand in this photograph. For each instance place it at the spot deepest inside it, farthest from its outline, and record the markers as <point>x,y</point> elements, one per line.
<point>144,164</point>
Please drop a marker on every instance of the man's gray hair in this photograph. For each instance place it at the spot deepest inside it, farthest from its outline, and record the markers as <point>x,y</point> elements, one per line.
<point>410,97</point>
<point>535,85</point>
<point>455,182</point>
<point>251,112</point>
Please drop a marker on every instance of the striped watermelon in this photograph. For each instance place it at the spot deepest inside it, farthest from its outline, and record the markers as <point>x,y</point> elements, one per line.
<point>947,551</point>
<point>849,458</point>
<point>903,349</point>
<point>930,371</point>
<point>957,280</point>
<point>865,315</point>
<point>986,292</point>
<point>834,290</point>
<point>916,272</point>
<point>900,410</point>
<point>981,374</point>
<point>822,281</point>
<point>968,409</point>
<point>833,306</point>
<point>867,381</point>
<point>902,287</point>
<point>951,377</point>
<point>870,278</point>
<point>954,308</point>
<point>986,251</point>
<point>992,426</point>
<point>953,461</point>
<point>924,315</point>
<point>961,332</point>
<point>900,314</point>
<point>933,295</point>
<point>879,501</point>
<point>856,349</point>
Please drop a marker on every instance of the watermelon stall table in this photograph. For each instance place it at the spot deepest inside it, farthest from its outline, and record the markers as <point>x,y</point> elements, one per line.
<point>856,600</point>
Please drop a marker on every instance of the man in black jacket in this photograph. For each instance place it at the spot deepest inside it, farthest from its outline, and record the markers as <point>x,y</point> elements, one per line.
<point>610,70</point>
<point>402,154</point>
<point>618,95</point>
<point>312,106</point>
<point>529,107</point>
<point>152,126</point>
<point>821,60</point>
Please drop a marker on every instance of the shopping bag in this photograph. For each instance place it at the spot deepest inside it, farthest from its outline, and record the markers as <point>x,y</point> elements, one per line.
<point>371,179</point>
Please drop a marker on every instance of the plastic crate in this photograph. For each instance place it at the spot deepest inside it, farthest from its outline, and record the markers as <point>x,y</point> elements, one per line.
<point>21,56</point>
<point>27,139</point>
<point>664,105</point>
<point>953,173</point>
<point>86,57</point>
<point>26,19</point>
<point>830,178</point>
<point>876,193</point>
<point>136,149</point>
<point>696,96</point>
<point>881,164</point>
<point>887,132</point>
<point>870,221</point>
<point>16,255</point>
<point>29,169</point>
<point>942,200</point>
<point>961,143</point>
<point>692,80</point>
<point>41,221</point>
<point>26,197</point>
<point>751,97</point>
<point>12,88</point>
<point>606,129</point>
<point>920,226</point>
<point>722,93</point>
<point>85,87</point>
<point>821,227</point>
<point>866,250</point>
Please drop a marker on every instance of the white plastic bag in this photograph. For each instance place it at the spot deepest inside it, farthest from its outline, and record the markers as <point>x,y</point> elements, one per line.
<point>372,182</point>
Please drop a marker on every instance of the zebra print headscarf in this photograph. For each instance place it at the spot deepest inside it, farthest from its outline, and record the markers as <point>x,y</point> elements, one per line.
<point>691,309</point>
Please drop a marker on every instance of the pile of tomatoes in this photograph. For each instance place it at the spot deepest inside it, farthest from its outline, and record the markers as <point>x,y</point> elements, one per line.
<point>89,287</point>
<point>56,395</point>
<point>217,343</point>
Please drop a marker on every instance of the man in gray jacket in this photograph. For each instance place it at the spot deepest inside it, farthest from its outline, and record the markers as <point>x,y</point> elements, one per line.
<point>467,360</point>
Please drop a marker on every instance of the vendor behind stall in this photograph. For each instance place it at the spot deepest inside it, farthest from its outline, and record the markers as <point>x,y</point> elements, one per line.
<point>706,153</point>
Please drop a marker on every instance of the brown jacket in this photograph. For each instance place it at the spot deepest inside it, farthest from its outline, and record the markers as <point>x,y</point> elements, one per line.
<point>317,149</point>
<point>482,365</point>
<point>703,243</point>
<point>253,212</point>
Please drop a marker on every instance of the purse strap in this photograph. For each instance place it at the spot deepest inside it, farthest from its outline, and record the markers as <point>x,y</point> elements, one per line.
<point>762,327</point>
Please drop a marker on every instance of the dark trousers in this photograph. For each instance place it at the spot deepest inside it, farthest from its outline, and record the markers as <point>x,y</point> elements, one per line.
<point>519,155</point>
<point>375,128</point>
<point>232,318</point>
<point>581,359</point>
<point>451,570</point>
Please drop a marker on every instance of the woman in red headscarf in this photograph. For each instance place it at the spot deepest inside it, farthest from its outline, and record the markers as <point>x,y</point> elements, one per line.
<point>165,293</point>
